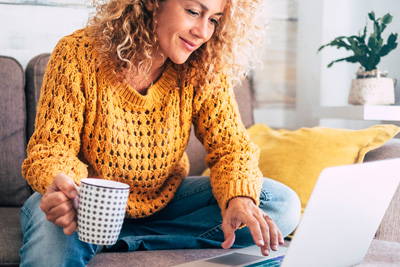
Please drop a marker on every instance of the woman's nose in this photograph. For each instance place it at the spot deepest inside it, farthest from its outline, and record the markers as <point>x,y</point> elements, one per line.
<point>202,29</point>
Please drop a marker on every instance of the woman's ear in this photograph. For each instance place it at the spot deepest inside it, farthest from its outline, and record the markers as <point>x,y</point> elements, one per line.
<point>149,5</point>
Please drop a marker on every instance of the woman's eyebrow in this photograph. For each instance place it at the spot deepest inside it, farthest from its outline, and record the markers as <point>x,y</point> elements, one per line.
<point>205,7</point>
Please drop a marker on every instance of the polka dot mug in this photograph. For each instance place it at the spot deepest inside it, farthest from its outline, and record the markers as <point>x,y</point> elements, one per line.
<point>101,210</point>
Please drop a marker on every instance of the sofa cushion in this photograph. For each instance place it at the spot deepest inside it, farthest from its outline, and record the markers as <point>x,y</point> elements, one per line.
<point>13,187</point>
<point>296,158</point>
<point>156,258</point>
<point>10,236</point>
<point>389,228</point>
<point>34,79</point>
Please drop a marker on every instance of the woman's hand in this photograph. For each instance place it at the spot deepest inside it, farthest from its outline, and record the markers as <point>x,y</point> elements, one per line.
<point>58,203</point>
<point>242,210</point>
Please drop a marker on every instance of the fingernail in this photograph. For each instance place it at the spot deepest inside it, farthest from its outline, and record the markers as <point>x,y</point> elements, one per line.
<point>266,252</point>
<point>261,242</point>
<point>274,247</point>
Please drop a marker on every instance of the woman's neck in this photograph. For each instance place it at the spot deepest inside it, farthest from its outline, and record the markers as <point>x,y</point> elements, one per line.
<point>141,83</point>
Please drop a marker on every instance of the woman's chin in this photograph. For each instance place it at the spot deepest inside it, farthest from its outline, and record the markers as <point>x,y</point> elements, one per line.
<point>179,60</point>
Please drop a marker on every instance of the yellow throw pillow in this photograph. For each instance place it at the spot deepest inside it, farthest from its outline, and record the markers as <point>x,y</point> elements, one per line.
<point>296,158</point>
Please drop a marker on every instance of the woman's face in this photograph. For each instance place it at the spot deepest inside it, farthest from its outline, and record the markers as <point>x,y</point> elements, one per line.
<point>184,25</point>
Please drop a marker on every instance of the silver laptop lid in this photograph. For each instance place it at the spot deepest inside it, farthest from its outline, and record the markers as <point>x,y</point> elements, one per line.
<point>343,214</point>
<point>339,222</point>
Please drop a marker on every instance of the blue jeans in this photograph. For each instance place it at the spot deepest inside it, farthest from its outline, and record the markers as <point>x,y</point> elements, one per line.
<point>191,220</point>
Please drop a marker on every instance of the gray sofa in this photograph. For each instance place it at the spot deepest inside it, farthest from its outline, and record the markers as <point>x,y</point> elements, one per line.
<point>19,94</point>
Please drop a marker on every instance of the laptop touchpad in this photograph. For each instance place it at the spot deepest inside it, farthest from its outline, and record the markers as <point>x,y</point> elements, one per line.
<point>234,259</point>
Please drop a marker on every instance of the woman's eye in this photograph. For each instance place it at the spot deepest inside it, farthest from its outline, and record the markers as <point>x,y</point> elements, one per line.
<point>191,12</point>
<point>214,21</point>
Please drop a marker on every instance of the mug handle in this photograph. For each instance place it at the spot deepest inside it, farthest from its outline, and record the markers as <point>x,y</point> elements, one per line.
<point>76,199</point>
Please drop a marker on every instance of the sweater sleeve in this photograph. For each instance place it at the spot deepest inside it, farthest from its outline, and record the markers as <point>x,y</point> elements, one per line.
<point>55,144</point>
<point>231,156</point>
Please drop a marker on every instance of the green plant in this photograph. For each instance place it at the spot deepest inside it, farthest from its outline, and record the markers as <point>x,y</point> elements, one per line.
<point>367,53</point>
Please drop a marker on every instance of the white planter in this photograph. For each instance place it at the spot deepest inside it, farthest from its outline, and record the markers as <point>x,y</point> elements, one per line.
<point>372,91</point>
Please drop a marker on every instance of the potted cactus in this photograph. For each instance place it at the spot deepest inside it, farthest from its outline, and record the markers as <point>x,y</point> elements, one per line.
<point>371,86</point>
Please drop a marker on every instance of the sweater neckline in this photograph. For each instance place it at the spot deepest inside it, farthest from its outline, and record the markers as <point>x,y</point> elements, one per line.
<point>156,91</point>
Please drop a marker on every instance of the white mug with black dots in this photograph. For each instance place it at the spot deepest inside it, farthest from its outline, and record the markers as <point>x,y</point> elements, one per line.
<point>101,210</point>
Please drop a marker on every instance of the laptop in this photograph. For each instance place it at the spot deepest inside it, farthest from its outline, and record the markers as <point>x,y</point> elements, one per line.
<point>337,227</point>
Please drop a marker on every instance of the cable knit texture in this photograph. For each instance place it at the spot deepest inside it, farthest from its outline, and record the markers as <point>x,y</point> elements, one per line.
<point>89,124</point>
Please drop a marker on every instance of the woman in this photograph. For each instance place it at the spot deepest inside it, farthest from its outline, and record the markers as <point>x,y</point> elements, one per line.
<point>117,103</point>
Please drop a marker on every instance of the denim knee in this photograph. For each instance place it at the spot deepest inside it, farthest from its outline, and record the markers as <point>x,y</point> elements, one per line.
<point>282,204</point>
<point>45,244</point>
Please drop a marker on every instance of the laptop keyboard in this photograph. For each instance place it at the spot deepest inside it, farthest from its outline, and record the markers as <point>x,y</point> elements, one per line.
<point>268,263</point>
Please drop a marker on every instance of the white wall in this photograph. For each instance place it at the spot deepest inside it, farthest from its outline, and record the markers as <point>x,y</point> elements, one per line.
<point>309,38</point>
<point>27,30</point>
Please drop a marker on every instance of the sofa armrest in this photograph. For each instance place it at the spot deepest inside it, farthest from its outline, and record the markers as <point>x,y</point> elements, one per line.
<point>389,228</point>
<point>388,151</point>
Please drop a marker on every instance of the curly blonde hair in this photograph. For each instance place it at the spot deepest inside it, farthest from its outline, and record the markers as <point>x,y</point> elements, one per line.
<point>124,31</point>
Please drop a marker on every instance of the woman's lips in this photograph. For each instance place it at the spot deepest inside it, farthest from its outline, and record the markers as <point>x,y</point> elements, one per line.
<point>188,45</point>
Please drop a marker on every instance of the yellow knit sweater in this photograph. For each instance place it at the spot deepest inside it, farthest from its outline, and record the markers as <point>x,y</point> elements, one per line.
<point>89,124</point>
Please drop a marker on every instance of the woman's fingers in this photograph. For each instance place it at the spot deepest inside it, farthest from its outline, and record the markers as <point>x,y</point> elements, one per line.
<point>229,236</point>
<point>58,203</point>
<point>229,225</point>
<point>268,231</point>
<point>263,229</point>
<point>65,220</point>
<point>273,232</point>
<point>258,230</point>
<point>65,184</point>
<point>52,200</point>
<point>60,211</point>
<point>70,229</point>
